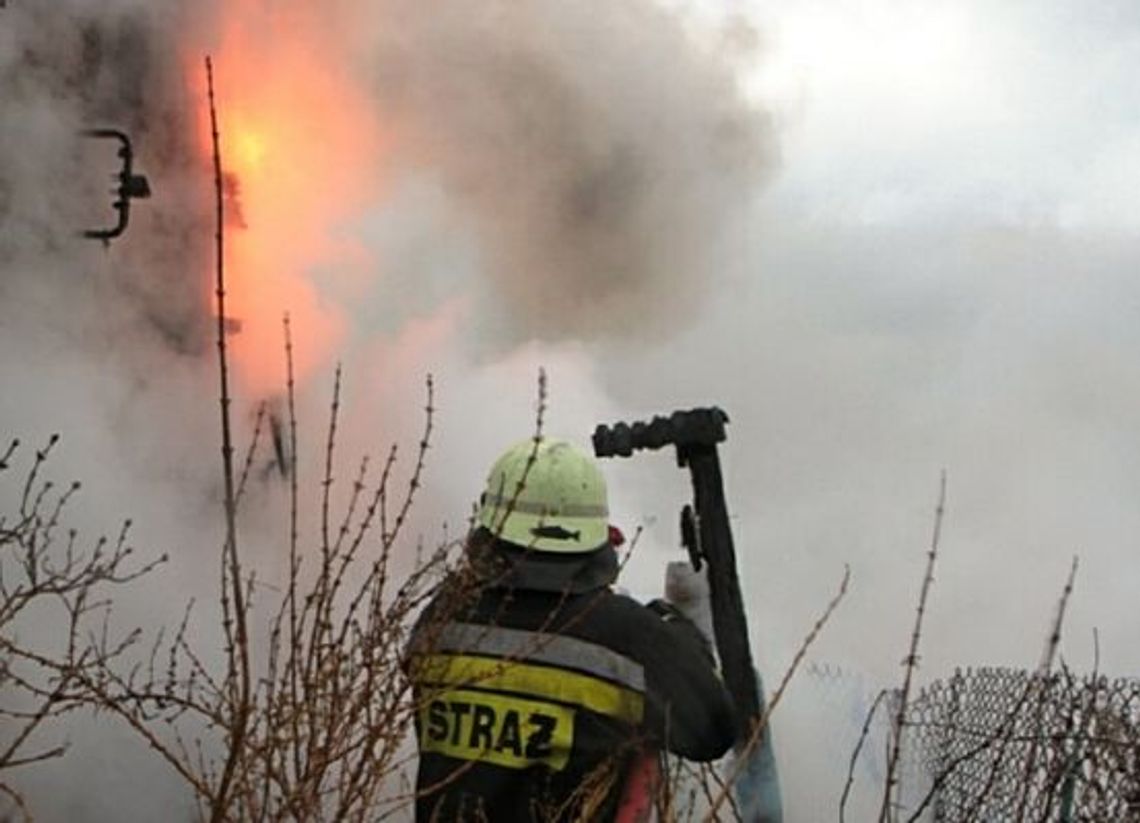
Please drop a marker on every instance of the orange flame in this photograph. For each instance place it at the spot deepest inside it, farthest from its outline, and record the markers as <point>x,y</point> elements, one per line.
<point>299,147</point>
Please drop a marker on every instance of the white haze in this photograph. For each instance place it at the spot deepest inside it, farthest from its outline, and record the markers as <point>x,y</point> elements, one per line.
<point>937,273</point>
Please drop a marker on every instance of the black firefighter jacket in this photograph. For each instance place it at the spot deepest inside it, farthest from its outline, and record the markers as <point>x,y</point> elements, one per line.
<point>531,703</point>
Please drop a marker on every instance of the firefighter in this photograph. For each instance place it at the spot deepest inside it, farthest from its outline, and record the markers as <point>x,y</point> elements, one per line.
<point>538,688</point>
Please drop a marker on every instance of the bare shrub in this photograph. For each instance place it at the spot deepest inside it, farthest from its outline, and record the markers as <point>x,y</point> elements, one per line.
<point>49,580</point>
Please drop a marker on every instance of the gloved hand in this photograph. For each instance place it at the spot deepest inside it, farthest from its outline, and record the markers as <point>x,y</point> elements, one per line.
<point>675,617</point>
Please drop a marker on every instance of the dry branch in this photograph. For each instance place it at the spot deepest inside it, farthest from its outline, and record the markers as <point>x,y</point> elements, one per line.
<point>890,785</point>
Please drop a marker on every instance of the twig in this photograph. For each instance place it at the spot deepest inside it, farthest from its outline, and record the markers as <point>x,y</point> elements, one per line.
<point>745,751</point>
<point>911,660</point>
<point>8,452</point>
<point>855,754</point>
<point>294,562</point>
<point>1054,639</point>
<point>1043,668</point>
<point>241,705</point>
<point>250,453</point>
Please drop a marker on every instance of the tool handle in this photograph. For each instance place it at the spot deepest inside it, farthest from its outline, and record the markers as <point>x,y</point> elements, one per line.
<point>728,614</point>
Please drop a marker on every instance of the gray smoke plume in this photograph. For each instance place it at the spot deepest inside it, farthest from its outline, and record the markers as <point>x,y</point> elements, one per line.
<point>598,156</point>
<point>600,152</point>
<point>575,173</point>
<point>67,67</point>
<point>945,277</point>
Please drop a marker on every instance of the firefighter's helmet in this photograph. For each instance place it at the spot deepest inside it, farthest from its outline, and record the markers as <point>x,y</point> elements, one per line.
<point>546,495</point>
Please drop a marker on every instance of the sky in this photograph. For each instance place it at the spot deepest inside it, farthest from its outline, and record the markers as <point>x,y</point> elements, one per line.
<point>889,238</point>
<point>955,223</point>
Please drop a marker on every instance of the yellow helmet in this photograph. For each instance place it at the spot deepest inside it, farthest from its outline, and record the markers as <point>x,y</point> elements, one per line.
<point>553,503</point>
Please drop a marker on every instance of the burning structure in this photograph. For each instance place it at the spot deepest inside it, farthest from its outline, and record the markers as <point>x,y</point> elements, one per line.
<point>490,176</point>
<point>595,188</point>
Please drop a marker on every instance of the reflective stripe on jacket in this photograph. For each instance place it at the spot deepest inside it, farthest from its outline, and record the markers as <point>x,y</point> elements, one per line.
<point>532,705</point>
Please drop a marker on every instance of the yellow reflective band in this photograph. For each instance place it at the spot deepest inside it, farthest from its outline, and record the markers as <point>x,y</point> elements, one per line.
<point>494,728</point>
<point>545,682</point>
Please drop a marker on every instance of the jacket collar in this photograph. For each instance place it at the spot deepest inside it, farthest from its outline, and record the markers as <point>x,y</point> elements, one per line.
<point>505,565</point>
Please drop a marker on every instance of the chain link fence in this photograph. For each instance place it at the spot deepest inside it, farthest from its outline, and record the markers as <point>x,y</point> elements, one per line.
<point>997,744</point>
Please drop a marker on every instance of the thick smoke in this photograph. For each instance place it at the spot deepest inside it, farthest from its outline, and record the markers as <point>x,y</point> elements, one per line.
<point>599,152</point>
<point>945,277</point>
<point>548,173</point>
<point>65,68</point>
<point>598,157</point>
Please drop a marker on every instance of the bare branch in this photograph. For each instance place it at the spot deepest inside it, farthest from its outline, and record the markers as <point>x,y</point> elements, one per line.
<point>911,661</point>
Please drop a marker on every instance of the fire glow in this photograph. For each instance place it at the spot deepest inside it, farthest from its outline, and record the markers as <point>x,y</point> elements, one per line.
<point>299,144</point>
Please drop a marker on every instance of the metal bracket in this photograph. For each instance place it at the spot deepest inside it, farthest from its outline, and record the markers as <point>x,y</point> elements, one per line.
<point>131,186</point>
